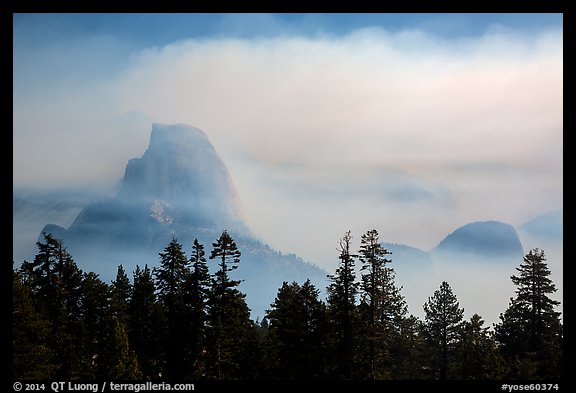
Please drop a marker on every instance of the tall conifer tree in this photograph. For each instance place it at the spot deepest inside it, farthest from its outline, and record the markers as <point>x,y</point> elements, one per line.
<point>196,291</point>
<point>297,333</point>
<point>382,307</point>
<point>442,328</point>
<point>121,292</point>
<point>170,277</point>
<point>55,281</point>
<point>530,332</point>
<point>32,358</point>
<point>342,293</point>
<point>229,326</point>
<point>146,328</point>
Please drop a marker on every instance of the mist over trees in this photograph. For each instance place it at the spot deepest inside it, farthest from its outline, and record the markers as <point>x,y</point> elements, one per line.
<point>180,322</point>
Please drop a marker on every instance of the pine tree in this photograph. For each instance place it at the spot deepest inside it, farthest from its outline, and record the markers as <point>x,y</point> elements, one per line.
<point>382,307</point>
<point>55,281</point>
<point>479,358</point>
<point>268,357</point>
<point>410,351</point>
<point>32,357</point>
<point>107,352</point>
<point>146,328</point>
<point>95,311</point>
<point>342,293</point>
<point>170,277</point>
<point>316,331</point>
<point>171,273</point>
<point>297,333</point>
<point>442,328</point>
<point>226,252</point>
<point>118,360</point>
<point>196,291</point>
<point>229,326</point>
<point>121,292</point>
<point>530,332</point>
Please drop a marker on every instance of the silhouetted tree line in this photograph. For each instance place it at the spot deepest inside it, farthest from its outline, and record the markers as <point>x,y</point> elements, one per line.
<point>179,322</point>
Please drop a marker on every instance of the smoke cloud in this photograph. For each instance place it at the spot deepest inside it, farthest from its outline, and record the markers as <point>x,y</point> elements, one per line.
<point>407,132</point>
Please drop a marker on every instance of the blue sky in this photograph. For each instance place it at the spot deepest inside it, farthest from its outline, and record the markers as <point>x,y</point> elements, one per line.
<point>412,124</point>
<point>159,29</point>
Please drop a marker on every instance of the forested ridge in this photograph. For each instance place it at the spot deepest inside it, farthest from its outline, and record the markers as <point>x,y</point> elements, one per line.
<point>179,322</point>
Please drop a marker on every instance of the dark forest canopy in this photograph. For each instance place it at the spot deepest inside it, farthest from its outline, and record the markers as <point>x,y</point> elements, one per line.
<point>180,322</point>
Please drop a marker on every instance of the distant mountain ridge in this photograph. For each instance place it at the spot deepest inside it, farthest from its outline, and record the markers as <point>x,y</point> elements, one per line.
<point>480,241</point>
<point>548,226</point>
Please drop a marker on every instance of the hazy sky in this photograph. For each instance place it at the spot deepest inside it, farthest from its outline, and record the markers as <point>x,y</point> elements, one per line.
<point>411,124</point>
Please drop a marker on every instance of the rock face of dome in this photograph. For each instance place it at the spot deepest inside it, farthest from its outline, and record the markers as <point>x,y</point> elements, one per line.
<point>182,171</point>
<point>484,239</point>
